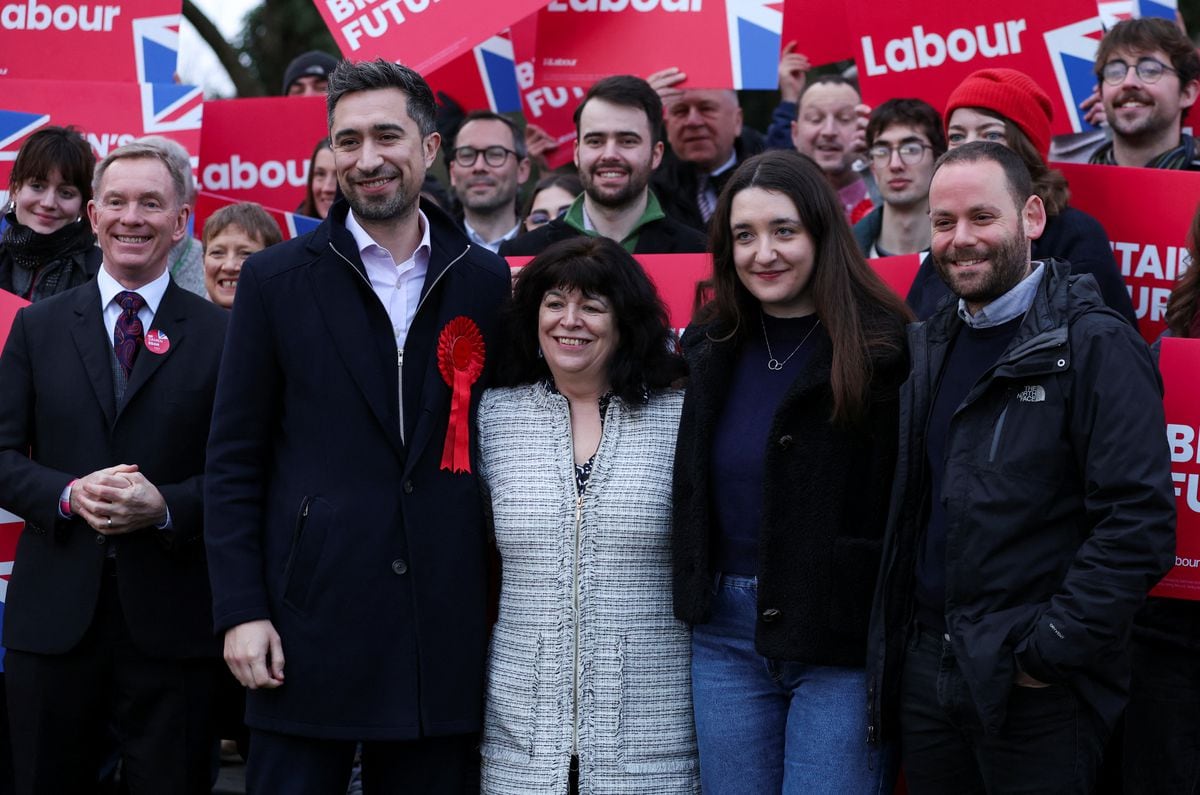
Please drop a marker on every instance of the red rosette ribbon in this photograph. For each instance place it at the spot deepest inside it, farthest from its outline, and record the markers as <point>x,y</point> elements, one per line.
<point>460,360</point>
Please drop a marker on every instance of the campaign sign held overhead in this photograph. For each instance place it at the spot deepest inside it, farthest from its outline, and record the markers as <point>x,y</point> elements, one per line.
<point>271,165</point>
<point>129,41</point>
<point>107,114</point>
<point>717,43</point>
<point>819,29</point>
<point>484,78</point>
<point>549,106</point>
<point>1148,234</point>
<point>924,49</point>
<point>423,34</point>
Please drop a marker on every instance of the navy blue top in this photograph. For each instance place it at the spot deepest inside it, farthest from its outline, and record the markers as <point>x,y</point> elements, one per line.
<point>972,353</point>
<point>740,441</point>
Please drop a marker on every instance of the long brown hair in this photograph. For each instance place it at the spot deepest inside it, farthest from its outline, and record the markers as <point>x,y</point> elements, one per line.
<point>1182,317</point>
<point>843,286</point>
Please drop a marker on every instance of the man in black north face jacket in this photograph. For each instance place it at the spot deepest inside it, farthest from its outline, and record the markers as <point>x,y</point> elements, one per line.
<point>1032,509</point>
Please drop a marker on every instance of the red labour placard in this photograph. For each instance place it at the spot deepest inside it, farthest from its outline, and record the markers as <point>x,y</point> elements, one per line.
<point>897,272</point>
<point>924,48</point>
<point>108,114</point>
<point>290,224</point>
<point>819,28</point>
<point>133,41</point>
<point>1146,213</point>
<point>258,149</point>
<point>549,106</point>
<point>1179,362</point>
<point>424,34</point>
<point>674,275</point>
<point>718,43</point>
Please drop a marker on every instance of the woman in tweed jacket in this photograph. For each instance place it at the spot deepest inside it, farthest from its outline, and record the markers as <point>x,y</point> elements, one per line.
<point>588,673</point>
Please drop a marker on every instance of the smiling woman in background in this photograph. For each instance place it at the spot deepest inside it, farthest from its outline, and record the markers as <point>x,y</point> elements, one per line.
<point>322,182</point>
<point>232,234</point>
<point>48,245</point>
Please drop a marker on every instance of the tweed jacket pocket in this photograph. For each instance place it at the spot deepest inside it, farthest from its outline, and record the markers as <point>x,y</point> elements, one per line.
<point>511,711</point>
<point>655,729</point>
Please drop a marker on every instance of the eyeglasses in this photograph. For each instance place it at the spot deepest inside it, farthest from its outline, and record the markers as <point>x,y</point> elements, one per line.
<point>494,156</point>
<point>1149,70</point>
<point>910,153</point>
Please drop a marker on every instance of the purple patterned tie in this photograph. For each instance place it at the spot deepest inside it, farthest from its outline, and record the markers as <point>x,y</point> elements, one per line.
<point>127,336</point>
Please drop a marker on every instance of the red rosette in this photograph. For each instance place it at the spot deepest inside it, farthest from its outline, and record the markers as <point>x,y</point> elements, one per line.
<point>460,361</point>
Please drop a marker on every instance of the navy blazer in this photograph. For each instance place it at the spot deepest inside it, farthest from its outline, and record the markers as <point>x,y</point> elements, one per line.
<point>330,513</point>
<point>58,421</point>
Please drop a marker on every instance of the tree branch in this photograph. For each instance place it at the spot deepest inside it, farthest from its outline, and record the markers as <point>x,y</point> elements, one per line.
<point>243,81</point>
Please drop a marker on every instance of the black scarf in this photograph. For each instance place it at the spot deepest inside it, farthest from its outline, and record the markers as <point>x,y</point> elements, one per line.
<point>41,263</point>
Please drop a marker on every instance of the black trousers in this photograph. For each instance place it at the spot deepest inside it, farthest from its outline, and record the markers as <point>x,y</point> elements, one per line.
<point>1050,743</point>
<point>283,764</point>
<point>61,708</point>
<point>1162,722</point>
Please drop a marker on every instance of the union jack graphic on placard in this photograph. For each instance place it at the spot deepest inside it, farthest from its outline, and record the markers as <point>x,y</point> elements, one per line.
<point>755,30</point>
<point>1072,51</point>
<point>168,107</point>
<point>156,48</point>
<point>498,72</point>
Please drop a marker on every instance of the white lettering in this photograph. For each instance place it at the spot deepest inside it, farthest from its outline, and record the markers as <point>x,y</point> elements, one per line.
<point>617,6</point>
<point>33,15</point>
<point>924,50</point>
<point>107,141</point>
<point>240,174</point>
<point>1150,301</point>
<point>377,21</point>
<point>1189,482</point>
<point>1181,439</point>
<point>525,75</point>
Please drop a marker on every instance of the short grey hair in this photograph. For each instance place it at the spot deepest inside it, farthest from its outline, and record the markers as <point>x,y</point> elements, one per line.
<point>181,178</point>
<point>353,76</point>
<point>182,158</point>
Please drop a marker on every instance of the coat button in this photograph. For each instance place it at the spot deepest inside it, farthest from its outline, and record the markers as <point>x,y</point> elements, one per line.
<point>785,441</point>
<point>100,539</point>
<point>769,615</point>
<point>399,566</point>
<point>408,487</point>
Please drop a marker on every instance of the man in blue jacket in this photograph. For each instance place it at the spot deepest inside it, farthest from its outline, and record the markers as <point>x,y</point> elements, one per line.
<point>347,535</point>
<point>1032,510</point>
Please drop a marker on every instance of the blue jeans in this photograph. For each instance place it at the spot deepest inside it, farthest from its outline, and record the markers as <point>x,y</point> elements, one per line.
<point>769,726</point>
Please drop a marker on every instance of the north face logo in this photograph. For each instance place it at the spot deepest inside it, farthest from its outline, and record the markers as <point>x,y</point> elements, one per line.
<point>1034,393</point>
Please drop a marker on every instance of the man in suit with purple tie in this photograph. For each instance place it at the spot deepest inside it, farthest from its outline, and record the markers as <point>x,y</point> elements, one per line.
<point>105,396</point>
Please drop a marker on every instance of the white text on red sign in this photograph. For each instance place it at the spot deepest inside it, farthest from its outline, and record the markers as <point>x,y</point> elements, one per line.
<point>924,50</point>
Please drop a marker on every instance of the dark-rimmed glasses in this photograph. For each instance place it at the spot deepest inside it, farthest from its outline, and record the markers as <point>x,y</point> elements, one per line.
<point>1149,70</point>
<point>911,153</point>
<point>494,156</point>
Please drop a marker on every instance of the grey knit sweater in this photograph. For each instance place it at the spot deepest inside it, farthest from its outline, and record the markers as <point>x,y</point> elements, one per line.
<point>587,656</point>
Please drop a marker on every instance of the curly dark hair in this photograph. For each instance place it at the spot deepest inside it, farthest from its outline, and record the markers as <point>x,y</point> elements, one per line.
<point>647,353</point>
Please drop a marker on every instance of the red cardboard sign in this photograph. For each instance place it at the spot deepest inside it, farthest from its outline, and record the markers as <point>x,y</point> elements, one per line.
<point>718,43</point>
<point>674,275</point>
<point>10,525</point>
<point>897,272</point>
<point>550,107</point>
<point>290,224</point>
<point>1147,213</point>
<point>483,78</point>
<point>258,149</point>
<point>129,41</point>
<point>924,48</point>
<point>424,34</point>
<point>820,30</point>
<point>108,114</point>
<point>1179,363</point>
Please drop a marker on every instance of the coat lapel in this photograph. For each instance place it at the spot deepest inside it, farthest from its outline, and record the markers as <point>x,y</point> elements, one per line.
<point>95,348</point>
<point>171,320</point>
<point>341,303</point>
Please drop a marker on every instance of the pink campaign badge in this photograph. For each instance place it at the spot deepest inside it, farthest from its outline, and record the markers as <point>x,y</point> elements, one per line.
<point>157,342</point>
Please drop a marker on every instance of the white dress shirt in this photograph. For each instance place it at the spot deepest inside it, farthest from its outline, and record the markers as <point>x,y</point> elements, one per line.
<point>151,293</point>
<point>398,286</point>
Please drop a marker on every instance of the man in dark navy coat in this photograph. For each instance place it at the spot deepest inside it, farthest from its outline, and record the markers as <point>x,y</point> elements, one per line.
<point>105,393</point>
<point>347,546</point>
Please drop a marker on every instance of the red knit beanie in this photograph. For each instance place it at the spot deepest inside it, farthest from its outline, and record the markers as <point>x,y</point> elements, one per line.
<point>1010,94</point>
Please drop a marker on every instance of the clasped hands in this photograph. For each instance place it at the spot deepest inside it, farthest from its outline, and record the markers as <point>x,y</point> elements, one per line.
<point>118,499</point>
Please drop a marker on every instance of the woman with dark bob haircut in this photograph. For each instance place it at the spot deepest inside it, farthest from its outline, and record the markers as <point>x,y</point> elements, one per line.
<point>588,685</point>
<point>782,476</point>
<point>48,245</point>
